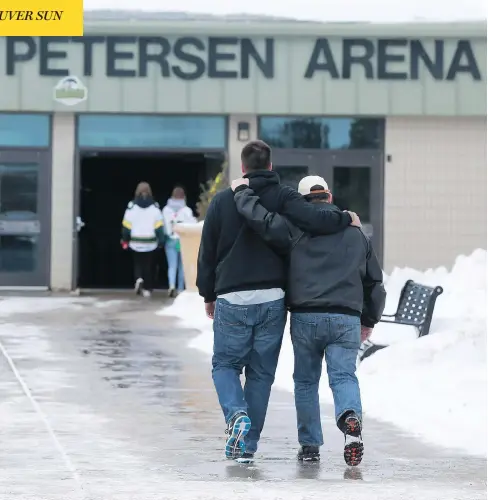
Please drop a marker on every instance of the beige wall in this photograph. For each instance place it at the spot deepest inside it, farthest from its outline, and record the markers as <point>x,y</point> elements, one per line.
<point>435,190</point>
<point>62,217</point>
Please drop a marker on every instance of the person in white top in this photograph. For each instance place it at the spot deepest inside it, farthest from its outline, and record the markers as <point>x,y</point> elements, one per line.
<point>176,211</point>
<point>142,232</point>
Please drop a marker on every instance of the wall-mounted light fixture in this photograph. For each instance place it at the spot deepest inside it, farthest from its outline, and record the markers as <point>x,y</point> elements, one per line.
<point>243,131</point>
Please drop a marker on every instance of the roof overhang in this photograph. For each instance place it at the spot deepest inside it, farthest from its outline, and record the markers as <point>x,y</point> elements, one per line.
<point>475,29</point>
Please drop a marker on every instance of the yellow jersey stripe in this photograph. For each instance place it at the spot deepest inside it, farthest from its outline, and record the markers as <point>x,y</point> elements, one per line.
<point>127,224</point>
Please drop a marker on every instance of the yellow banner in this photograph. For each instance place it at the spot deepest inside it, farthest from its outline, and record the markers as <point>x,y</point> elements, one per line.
<point>41,18</point>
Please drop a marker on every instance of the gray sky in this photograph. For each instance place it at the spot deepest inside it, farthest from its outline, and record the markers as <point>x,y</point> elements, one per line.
<point>341,10</point>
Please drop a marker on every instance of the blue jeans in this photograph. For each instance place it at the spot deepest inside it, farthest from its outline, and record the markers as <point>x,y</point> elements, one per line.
<point>338,336</point>
<point>249,338</point>
<point>175,265</point>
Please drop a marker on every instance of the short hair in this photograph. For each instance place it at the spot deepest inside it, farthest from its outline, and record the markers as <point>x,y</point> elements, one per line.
<point>143,189</point>
<point>318,197</point>
<point>256,155</point>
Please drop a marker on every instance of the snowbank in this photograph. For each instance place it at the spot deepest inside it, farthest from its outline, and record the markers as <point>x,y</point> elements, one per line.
<point>434,387</point>
<point>17,305</point>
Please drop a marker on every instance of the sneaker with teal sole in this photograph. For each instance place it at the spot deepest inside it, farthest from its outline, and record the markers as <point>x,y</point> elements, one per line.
<point>236,431</point>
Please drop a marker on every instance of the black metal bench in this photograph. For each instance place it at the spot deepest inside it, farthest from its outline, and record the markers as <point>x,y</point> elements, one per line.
<point>415,308</point>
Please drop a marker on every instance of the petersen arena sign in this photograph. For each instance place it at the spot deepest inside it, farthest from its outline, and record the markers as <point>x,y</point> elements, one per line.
<point>392,59</point>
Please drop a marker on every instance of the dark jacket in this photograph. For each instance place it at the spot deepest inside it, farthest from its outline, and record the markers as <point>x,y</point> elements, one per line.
<point>337,273</point>
<point>233,258</point>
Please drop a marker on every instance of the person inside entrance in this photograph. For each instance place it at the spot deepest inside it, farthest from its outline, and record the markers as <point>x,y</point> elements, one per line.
<point>107,183</point>
<point>175,212</point>
<point>142,233</point>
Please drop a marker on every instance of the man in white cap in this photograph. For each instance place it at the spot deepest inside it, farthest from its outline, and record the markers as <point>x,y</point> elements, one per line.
<point>336,296</point>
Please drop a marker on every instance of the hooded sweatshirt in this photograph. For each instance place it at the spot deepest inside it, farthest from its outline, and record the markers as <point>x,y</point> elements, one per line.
<point>175,212</point>
<point>142,226</point>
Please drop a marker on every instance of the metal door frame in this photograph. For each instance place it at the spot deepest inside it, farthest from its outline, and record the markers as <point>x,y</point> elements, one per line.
<point>41,276</point>
<point>322,162</point>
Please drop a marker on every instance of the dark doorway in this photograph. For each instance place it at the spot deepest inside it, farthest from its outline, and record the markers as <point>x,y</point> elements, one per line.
<point>108,181</point>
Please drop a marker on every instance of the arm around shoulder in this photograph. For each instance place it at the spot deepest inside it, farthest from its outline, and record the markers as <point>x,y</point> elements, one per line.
<point>311,217</point>
<point>272,227</point>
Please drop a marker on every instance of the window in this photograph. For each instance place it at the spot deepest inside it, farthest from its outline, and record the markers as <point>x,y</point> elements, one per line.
<point>18,253</point>
<point>18,189</point>
<point>168,132</point>
<point>291,176</point>
<point>321,133</point>
<point>352,190</point>
<point>24,130</point>
<point>19,224</point>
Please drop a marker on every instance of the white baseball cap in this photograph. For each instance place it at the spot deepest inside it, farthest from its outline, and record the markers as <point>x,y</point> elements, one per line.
<point>307,183</point>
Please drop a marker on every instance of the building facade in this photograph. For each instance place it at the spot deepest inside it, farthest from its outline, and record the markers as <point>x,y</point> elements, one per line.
<point>393,116</point>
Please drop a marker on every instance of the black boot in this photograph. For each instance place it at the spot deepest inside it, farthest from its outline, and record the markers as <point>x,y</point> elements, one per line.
<point>353,442</point>
<point>308,454</point>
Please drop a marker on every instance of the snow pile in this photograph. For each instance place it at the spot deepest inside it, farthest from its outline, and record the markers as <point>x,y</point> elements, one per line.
<point>434,387</point>
<point>17,305</point>
<point>190,310</point>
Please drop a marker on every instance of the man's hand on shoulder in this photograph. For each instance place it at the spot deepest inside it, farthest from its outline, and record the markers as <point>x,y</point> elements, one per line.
<point>355,221</point>
<point>242,181</point>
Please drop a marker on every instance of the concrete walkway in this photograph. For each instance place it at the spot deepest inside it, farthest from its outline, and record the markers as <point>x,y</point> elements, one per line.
<point>122,409</point>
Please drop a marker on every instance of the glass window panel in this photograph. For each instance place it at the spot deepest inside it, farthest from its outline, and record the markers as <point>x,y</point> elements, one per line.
<point>24,130</point>
<point>18,191</point>
<point>168,132</point>
<point>19,224</point>
<point>310,132</point>
<point>352,190</point>
<point>291,176</point>
<point>18,253</point>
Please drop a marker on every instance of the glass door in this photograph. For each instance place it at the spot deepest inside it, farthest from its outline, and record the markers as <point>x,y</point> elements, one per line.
<point>24,218</point>
<point>356,181</point>
<point>291,165</point>
<point>354,176</point>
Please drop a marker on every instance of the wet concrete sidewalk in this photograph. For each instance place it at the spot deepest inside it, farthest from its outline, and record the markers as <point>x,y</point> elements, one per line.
<point>123,410</point>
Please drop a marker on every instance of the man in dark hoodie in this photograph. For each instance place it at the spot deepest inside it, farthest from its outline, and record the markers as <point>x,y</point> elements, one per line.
<point>242,281</point>
<point>336,296</point>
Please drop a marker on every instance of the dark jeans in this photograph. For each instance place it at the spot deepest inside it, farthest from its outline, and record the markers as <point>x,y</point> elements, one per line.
<point>338,336</point>
<point>144,268</point>
<point>249,338</point>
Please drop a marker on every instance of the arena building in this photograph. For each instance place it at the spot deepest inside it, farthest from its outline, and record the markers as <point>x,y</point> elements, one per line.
<point>392,115</point>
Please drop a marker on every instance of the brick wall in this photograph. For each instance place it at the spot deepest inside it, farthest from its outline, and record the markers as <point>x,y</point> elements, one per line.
<point>435,190</point>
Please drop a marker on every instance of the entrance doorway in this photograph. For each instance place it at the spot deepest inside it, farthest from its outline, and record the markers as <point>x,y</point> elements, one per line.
<point>355,178</point>
<point>107,183</point>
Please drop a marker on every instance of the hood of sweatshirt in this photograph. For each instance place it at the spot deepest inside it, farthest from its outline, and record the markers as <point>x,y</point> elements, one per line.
<point>176,204</point>
<point>261,179</point>
<point>144,201</point>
